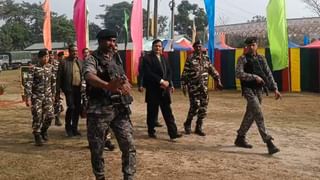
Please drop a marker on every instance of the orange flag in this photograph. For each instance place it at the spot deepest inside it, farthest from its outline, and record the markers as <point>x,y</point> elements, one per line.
<point>47,25</point>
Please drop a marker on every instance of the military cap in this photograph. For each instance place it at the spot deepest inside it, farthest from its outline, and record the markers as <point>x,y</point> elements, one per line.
<point>106,33</point>
<point>196,43</point>
<point>250,40</point>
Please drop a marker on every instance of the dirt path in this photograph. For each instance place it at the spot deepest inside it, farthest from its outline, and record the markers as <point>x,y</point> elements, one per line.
<point>294,122</point>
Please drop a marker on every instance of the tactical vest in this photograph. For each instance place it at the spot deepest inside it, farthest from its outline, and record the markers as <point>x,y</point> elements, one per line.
<point>253,67</point>
<point>107,71</point>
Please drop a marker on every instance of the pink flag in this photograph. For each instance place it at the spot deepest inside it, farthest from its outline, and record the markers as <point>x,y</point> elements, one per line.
<point>47,25</point>
<point>136,32</point>
<point>80,24</point>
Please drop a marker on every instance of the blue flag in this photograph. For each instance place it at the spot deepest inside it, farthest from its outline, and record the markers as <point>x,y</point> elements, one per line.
<point>210,8</point>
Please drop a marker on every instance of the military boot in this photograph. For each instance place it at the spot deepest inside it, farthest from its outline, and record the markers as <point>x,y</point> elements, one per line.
<point>108,144</point>
<point>187,127</point>
<point>44,135</point>
<point>271,147</point>
<point>199,130</point>
<point>127,177</point>
<point>241,142</point>
<point>57,121</point>
<point>37,139</point>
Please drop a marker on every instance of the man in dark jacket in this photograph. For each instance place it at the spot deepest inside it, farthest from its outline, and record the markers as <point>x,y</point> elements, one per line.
<point>157,81</point>
<point>70,75</point>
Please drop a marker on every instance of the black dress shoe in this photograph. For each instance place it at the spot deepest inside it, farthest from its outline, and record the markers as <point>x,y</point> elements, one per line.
<point>152,135</point>
<point>69,133</point>
<point>158,124</point>
<point>178,135</point>
<point>76,133</point>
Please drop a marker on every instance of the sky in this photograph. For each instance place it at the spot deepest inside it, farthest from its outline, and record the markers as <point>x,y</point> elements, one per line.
<point>227,11</point>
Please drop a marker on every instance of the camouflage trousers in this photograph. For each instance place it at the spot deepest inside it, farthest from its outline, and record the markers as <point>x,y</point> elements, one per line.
<point>97,125</point>
<point>42,113</point>
<point>58,107</point>
<point>253,113</point>
<point>198,107</point>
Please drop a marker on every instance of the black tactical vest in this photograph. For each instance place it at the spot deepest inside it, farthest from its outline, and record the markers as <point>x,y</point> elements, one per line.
<point>253,66</point>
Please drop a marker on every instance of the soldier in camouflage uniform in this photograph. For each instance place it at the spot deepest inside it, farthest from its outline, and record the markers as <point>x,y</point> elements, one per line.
<point>40,89</point>
<point>255,76</point>
<point>57,105</point>
<point>194,79</point>
<point>107,86</point>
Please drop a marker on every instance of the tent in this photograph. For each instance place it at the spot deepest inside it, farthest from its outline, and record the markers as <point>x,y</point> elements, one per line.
<point>179,45</point>
<point>293,45</point>
<point>314,44</point>
<point>219,45</point>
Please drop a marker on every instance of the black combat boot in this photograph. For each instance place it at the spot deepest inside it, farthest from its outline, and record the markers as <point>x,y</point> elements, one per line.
<point>187,127</point>
<point>199,130</point>
<point>241,142</point>
<point>44,133</point>
<point>127,177</point>
<point>271,147</point>
<point>37,139</point>
<point>57,121</point>
<point>108,145</point>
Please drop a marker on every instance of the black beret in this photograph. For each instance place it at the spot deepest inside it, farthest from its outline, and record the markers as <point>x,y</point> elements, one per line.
<point>106,33</point>
<point>250,40</point>
<point>196,43</point>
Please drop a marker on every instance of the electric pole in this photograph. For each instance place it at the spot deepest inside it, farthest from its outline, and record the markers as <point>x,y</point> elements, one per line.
<point>155,20</point>
<point>148,22</point>
<point>172,5</point>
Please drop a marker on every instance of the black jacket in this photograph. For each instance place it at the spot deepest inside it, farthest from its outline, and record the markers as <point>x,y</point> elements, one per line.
<point>65,73</point>
<point>154,71</point>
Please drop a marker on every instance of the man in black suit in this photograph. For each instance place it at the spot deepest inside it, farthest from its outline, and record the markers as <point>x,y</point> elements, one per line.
<point>157,81</point>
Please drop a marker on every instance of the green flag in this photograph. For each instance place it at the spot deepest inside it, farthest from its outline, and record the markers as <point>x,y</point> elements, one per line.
<point>278,33</point>
<point>125,25</point>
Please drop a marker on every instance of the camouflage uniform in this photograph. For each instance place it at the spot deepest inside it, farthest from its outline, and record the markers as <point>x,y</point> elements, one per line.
<point>41,87</point>
<point>254,95</point>
<point>102,114</point>
<point>58,108</point>
<point>195,76</point>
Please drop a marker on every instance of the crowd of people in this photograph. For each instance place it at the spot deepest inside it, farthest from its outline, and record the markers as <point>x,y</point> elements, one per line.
<point>99,81</point>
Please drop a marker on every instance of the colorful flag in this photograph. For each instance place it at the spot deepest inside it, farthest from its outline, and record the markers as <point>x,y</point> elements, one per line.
<point>80,24</point>
<point>136,32</point>
<point>278,34</point>
<point>47,25</point>
<point>125,25</point>
<point>210,8</point>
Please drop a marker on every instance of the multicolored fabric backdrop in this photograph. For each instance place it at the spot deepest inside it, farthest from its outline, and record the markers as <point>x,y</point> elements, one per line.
<point>303,73</point>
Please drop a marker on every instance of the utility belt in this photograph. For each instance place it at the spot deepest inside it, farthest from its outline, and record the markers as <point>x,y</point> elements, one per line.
<point>121,103</point>
<point>254,86</point>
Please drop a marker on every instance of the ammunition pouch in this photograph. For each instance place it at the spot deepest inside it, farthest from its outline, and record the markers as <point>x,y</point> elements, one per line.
<point>121,103</point>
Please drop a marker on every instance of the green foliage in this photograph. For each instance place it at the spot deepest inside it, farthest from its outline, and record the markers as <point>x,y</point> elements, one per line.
<point>114,19</point>
<point>23,23</point>
<point>183,21</point>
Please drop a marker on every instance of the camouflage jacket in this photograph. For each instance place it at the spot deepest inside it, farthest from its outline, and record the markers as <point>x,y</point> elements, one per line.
<point>196,72</point>
<point>244,76</point>
<point>41,81</point>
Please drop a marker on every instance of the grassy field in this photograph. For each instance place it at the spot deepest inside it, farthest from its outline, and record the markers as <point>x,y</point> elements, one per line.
<point>294,122</point>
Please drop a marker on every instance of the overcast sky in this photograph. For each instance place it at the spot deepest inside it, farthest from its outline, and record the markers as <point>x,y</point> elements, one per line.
<point>230,11</point>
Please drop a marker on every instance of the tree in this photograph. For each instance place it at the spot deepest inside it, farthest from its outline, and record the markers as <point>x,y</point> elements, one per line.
<point>23,25</point>
<point>257,18</point>
<point>183,23</point>
<point>162,21</point>
<point>93,30</point>
<point>313,5</point>
<point>114,18</point>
